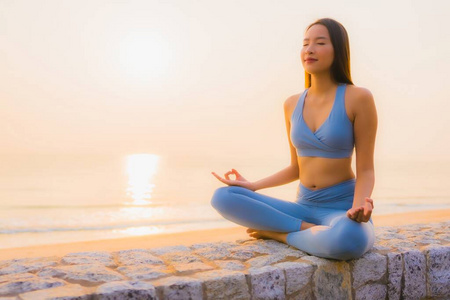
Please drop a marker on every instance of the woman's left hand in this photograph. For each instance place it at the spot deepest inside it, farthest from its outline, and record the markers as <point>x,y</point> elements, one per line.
<point>361,213</point>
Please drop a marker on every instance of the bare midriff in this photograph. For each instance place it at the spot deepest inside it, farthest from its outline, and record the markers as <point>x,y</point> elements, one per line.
<point>320,172</point>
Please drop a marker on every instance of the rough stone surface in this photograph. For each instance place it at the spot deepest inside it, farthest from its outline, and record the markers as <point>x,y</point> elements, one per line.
<point>369,268</point>
<point>179,288</point>
<point>72,291</point>
<point>137,257</point>
<point>438,271</point>
<point>170,249</point>
<point>118,290</point>
<point>87,274</point>
<point>144,272</point>
<point>25,282</point>
<point>331,278</point>
<point>81,258</point>
<point>183,269</point>
<point>395,271</point>
<point>298,276</point>
<point>224,284</point>
<point>24,265</point>
<point>371,292</point>
<point>234,265</point>
<point>267,283</point>
<point>406,262</point>
<point>414,274</point>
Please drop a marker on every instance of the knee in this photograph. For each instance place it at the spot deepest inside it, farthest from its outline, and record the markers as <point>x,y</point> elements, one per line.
<point>353,238</point>
<point>223,197</point>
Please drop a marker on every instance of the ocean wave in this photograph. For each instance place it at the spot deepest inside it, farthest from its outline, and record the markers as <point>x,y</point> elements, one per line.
<point>104,227</point>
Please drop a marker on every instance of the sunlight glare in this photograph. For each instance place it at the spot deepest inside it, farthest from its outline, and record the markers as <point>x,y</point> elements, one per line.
<point>140,170</point>
<point>138,231</point>
<point>144,55</point>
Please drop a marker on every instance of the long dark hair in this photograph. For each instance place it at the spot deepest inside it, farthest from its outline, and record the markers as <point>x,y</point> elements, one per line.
<point>340,68</point>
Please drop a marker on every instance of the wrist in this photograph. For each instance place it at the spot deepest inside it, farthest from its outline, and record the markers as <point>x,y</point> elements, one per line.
<point>253,186</point>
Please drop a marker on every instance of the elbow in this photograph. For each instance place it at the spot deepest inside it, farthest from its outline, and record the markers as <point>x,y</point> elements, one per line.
<point>295,170</point>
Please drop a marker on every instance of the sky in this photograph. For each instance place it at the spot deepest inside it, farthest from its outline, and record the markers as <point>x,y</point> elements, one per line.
<point>209,78</point>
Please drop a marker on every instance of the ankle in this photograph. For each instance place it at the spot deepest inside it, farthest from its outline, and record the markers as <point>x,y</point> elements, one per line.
<point>306,225</point>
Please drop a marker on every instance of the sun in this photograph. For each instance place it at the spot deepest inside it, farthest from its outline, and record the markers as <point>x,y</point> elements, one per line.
<point>145,55</point>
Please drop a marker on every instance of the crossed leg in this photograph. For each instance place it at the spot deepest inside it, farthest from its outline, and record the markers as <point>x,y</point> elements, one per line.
<point>336,236</point>
<point>258,211</point>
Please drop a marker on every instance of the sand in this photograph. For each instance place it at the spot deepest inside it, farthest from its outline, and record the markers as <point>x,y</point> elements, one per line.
<point>193,237</point>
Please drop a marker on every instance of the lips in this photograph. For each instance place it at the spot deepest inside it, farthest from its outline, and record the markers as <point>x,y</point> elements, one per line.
<point>310,60</point>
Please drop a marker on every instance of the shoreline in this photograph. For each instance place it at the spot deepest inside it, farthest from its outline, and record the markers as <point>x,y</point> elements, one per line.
<point>192,237</point>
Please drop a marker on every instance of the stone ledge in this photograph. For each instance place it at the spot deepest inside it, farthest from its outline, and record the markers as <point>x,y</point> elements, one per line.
<point>407,262</point>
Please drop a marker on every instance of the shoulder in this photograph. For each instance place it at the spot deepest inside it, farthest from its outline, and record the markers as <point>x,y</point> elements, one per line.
<point>359,98</point>
<point>290,103</point>
<point>357,93</point>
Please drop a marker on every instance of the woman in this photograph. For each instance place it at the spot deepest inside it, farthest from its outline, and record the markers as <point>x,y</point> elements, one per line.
<point>331,216</point>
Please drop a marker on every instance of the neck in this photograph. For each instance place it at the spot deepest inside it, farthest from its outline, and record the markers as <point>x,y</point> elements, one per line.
<point>321,83</point>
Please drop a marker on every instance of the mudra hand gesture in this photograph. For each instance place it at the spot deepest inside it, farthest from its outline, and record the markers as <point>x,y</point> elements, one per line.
<point>361,213</point>
<point>239,181</point>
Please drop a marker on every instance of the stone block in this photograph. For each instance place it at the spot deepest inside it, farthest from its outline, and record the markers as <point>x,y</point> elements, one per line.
<point>119,290</point>
<point>267,283</point>
<point>178,288</point>
<point>331,278</point>
<point>224,284</point>
<point>25,282</point>
<point>298,276</point>
<point>395,272</point>
<point>218,245</point>
<point>414,275</point>
<point>373,291</point>
<point>233,265</point>
<point>438,271</point>
<point>137,257</point>
<point>170,249</point>
<point>369,268</point>
<point>265,260</point>
<point>183,269</point>
<point>71,291</point>
<point>213,253</point>
<point>80,258</point>
<point>83,274</point>
<point>145,272</point>
<point>180,258</point>
<point>25,265</point>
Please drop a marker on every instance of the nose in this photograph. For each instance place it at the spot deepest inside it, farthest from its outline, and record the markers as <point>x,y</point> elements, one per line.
<point>309,49</point>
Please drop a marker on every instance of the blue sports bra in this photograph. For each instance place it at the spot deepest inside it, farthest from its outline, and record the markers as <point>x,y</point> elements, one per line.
<point>333,139</point>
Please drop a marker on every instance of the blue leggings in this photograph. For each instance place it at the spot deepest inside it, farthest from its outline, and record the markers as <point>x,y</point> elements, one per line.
<point>339,238</point>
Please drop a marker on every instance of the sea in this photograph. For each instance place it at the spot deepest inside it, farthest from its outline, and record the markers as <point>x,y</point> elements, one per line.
<point>51,199</point>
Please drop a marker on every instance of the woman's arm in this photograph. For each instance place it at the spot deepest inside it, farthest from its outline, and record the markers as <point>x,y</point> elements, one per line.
<point>284,176</point>
<point>365,128</point>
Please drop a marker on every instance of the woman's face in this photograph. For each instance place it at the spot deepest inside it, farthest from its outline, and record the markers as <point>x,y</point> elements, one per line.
<point>317,53</point>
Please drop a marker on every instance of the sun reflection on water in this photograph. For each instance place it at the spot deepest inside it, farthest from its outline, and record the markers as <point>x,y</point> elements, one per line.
<point>140,170</point>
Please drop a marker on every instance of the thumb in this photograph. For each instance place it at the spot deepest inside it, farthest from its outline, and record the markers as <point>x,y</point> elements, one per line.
<point>235,172</point>
<point>370,201</point>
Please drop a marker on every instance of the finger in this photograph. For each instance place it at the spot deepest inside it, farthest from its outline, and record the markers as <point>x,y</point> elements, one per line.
<point>367,211</point>
<point>359,217</point>
<point>370,201</point>
<point>354,214</point>
<point>236,173</point>
<point>228,173</point>
<point>217,176</point>
<point>221,179</point>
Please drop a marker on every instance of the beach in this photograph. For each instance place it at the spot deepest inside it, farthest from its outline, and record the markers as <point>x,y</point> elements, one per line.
<point>198,236</point>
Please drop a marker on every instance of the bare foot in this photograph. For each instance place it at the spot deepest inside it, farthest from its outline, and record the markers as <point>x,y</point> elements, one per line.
<point>266,234</point>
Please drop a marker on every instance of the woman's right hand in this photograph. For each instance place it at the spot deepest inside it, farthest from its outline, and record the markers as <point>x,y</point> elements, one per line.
<point>239,181</point>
